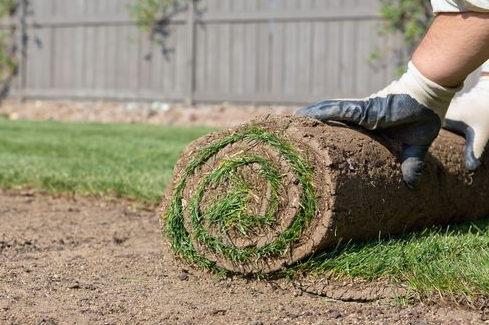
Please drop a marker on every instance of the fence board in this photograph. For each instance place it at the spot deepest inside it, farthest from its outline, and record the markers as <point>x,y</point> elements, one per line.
<point>291,51</point>
<point>263,58</point>
<point>180,60</point>
<point>277,58</point>
<point>256,51</point>
<point>110,56</point>
<point>145,64</point>
<point>130,66</point>
<point>89,58</point>
<point>201,58</point>
<point>251,62</point>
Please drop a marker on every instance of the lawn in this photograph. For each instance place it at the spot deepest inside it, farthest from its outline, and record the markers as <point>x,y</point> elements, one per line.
<point>132,161</point>
<point>136,162</point>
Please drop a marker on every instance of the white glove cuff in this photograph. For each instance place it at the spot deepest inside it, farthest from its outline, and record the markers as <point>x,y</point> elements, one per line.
<point>428,92</point>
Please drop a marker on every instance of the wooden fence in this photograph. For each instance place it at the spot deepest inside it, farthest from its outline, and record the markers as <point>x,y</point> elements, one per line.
<point>243,51</point>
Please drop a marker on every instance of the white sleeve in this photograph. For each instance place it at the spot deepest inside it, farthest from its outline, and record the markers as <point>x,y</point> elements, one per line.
<point>485,66</point>
<point>459,6</point>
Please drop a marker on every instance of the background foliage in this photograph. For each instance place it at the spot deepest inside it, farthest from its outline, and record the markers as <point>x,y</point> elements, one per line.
<point>153,16</point>
<point>410,18</point>
<point>8,63</point>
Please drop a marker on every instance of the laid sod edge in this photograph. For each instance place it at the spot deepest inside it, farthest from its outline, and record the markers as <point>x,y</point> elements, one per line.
<point>174,218</point>
<point>437,262</point>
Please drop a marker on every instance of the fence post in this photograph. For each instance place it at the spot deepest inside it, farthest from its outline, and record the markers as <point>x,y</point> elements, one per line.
<point>190,79</point>
<point>21,35</point>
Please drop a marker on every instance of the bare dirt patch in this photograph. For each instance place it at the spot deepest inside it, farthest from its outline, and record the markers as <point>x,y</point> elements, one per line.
<point>90,261</point>
<point>221,115</point>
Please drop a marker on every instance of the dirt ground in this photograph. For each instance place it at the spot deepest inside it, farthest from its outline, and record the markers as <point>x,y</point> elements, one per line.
<point>220,115</point>
<point>91,261</point>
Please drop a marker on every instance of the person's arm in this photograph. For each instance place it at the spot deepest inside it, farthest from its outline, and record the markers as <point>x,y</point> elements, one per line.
<point>412,109</point>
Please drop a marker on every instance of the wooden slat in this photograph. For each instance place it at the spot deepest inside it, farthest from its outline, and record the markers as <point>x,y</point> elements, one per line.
<point>251,61</point>
<point>99,50</point>
<point>258,98</point>
<point>190,53</point>
<point>347,60</point>
<point>304,58</point>
<point>264,59</point>
<point>133,57</point>
<point>145,63</point>
<point>333,66</point>
<point>62,93</point>
<point>291,60</point>
<point>58,56</point>
<point>210,17</point>
<point>201,58</point>
<point>320,52</point>
<point>91,9</point>
<point>277,58</point>
<point>213,57</point>
<point>168,57</point>
<point>259,16</point>
<point>180,59</point>
<point>226,43</point>
<point>89,57</point>
<point>239,62</point>
<point>112,41</point>
<point>122,58</point>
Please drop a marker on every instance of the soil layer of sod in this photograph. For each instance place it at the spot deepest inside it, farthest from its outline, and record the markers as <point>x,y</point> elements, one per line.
<point>262,196</point>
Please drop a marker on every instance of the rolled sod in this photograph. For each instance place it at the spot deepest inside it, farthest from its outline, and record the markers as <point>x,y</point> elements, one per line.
<point>263,196</point>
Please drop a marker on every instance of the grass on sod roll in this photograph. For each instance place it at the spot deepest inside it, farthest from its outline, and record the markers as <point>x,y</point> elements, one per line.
<point>175,228</point>
<point>136,161</point>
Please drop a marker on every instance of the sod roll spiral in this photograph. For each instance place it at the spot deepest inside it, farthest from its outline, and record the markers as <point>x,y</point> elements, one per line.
<point>265,195</point>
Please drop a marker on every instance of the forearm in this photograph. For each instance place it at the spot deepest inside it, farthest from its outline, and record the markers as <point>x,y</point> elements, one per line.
<point>455,45</point>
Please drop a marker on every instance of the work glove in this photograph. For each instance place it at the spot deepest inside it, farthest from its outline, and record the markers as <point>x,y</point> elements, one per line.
<point>409,110</point>
<point>469,115</point>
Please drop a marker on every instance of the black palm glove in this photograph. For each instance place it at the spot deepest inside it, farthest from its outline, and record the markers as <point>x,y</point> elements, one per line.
<point>399,116</point>
<point>409,110</point>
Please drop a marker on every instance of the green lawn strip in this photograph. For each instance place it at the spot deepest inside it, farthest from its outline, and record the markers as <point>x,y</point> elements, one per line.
<point>448,262</point>
<point>132,161</point>
<point>136,161</point>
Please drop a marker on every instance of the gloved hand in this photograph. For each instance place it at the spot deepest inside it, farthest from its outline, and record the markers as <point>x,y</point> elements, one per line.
<point>409,110</point>
<point>469,115</point>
